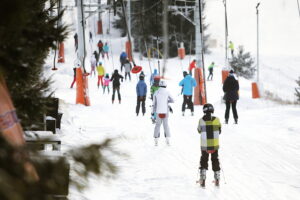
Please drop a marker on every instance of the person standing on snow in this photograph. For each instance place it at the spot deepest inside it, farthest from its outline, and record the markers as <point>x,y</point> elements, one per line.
<point>210,128</point>
<point>141,91</point>
<point>192,66</point>
<point>188,83</point>
<point>76,41</point>
<point>123,58</point>
<point>96,54</point>
<point>154,86</point>
<point>231,47</point>
<point>211,69</point>
<point>100,47</point>
<point>93,66</point>
<point>106,50</point>
<point>106,83</point>
<point>231,88</point>
<point>115,78</point>
<point>101,72</point>
<point>155,73</point>
<point>128,68</point>
<point>161,100</point>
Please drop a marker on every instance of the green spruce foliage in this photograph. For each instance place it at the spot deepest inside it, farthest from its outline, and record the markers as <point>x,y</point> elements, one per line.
<point>146,26</point>
<point>242,64</point>
<point>298,90</point>
<point>27,33</point>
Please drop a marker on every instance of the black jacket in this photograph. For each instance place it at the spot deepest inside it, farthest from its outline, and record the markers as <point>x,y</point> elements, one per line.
<point>231,88</point>
<point>115,78</point>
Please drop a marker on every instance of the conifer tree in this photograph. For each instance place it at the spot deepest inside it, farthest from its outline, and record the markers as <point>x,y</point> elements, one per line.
<point>146,26</point>
<point>242,64</point>
<point>27,33</point>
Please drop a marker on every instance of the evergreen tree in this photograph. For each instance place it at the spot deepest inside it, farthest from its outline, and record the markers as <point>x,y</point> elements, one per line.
<point>146,27</point>
<point>298,90</point>
<point>242,64</point>
<point>27,32</point>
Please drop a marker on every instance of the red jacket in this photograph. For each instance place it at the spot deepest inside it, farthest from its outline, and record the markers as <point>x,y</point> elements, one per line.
<point>192,65</point>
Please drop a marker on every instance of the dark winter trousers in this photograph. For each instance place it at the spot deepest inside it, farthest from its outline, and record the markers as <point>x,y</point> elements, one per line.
<point>187,100</point>
<point>140,99</point>
<point>214,159</point>
<point>118,90</point>
<point>127,74</point>
<point>233,104</point>
<point>210,74</point>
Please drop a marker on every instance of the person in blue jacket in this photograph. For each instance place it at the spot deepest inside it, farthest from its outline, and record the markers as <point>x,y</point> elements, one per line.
<point>188,83</point>
<point>123,58</point>
<point>155,73</point>
<point>141,91</point>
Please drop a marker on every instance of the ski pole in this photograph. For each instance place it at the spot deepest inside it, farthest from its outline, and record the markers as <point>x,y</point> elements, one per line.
<point>223,175</point>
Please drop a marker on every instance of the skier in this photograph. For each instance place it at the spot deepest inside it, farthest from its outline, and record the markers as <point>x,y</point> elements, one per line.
<point>188,83</point>
<point>141,91</point>
<point>106,83</point>
<point>231,88</point>
<point>155,86</point>
<point>96,54</point>
<point>105,50</point>
<point>161,99</point>
<point>123,58</point>
<point>155,73</point>
<point>115,78</point>
<point>128,68</point>
<point>74,79</point>
<point>231,47</point>
<point>76,41</point>
<point>100,47</point>
<point>211,69</point>
<point>93,66</point>
<point>91,37</point>
<point>101,72</point>
<point>192,66</point>
<point>210,128</point>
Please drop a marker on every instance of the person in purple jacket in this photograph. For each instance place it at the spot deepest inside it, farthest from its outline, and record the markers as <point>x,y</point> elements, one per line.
<point>141,91</point>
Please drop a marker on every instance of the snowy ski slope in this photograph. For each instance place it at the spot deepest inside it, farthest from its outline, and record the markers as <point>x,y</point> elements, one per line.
<point>259,157</point>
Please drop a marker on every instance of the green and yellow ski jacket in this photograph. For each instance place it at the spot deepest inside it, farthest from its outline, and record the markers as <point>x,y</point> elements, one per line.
<point>210,129</point>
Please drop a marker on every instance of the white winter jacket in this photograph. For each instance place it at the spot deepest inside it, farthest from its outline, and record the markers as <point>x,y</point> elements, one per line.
<point>161,99</point>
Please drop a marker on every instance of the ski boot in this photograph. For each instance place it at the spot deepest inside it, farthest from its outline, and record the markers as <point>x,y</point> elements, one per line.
<point>168,141</point>
<point>217,178</point>
<point>226,121</point>
<point>202,177</point>
<point>155,141</point>
<point>236,121</point>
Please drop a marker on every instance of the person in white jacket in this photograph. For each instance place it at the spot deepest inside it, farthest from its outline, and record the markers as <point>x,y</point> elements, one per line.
<point>161,99</point>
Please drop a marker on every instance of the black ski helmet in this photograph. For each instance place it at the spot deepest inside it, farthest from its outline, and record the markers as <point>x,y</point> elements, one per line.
<point>208,108</point>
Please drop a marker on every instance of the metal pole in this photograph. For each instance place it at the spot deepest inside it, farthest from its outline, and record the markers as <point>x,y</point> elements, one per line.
<point>298,7</point>
<point>257,59</point>
<point>226,35</point>
<point>81,34</point>
<point>165,36</point>
<point>128,14</point>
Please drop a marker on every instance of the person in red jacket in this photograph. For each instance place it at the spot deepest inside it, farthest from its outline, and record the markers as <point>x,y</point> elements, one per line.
<point>192,66</point>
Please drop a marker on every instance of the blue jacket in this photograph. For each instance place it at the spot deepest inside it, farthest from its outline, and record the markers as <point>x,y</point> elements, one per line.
<point>152,76</point>
<point>188,83</point>
<point>123,56</point>
<point>141,88</point>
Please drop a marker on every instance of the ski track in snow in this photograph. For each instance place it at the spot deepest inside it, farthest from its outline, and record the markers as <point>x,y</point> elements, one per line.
<point>259,157</point>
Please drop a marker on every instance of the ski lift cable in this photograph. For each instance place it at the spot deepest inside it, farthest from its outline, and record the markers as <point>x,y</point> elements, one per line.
<point>143,30</point>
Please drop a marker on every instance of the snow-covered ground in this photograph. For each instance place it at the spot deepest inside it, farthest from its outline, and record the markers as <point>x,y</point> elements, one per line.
<point>259,157</point>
